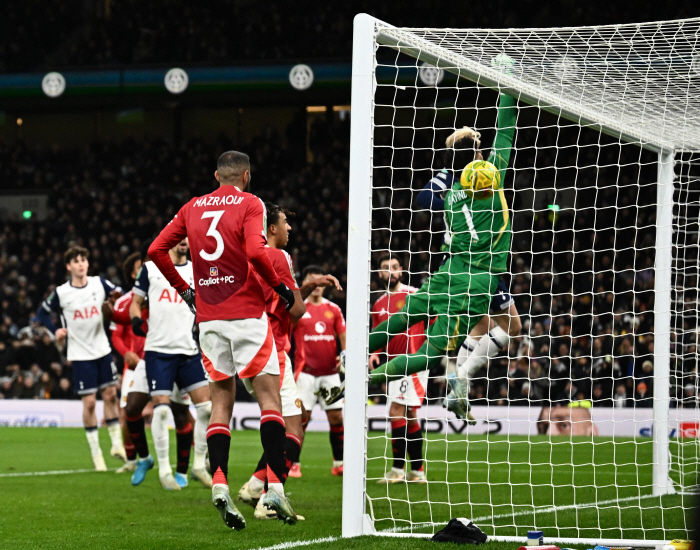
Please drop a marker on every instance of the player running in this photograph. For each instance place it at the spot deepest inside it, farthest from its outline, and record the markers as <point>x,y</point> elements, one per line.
<point>227,233</point>
<point>406,395</point>
<point>79,304</point>
<point>281,320</point>
<point>316,361</point>
<point>477,247</point>
<point>171,357</point>
<point>135,395</point>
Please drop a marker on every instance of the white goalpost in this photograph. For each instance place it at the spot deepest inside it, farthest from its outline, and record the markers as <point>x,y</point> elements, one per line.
<point>587,422</point>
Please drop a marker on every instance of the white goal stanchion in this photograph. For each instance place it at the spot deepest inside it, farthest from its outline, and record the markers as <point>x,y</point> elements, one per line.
<point>586,421</point>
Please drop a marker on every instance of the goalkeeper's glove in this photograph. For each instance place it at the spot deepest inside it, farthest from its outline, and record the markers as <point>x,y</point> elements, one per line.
<point>341,367</point>
<point>136,324</point>
<point>504,63</point>
<point>188,297</point>
<point>286,294</point>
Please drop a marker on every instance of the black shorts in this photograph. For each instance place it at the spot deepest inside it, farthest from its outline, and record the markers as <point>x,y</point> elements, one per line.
<point>502,300</point>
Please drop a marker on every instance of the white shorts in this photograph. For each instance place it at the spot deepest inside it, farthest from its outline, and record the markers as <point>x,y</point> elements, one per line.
<point>309,386</point>
<point>238,346</point>
<point>136,381</point>
<point>291,402</point>
<point>409,391</point>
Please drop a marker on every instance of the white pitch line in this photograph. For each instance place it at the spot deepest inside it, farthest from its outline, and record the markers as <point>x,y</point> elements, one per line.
<point>53,473</point>
<point>538,510</point>
<point>298,543</point>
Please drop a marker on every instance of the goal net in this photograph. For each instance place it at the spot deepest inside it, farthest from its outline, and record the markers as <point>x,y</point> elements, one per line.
<point>586,417</point>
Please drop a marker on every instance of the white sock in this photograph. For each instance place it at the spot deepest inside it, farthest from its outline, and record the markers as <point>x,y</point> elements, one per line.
<point>161,438</point>
<point>397,470</point>
<point>115,434</point>
<point>93,441</point>
<point>466,349</point>
<point>276,487</point>
<point>488,347</point>
<point>337,463</point>
<point>203,412</point>
<point>256,485</point>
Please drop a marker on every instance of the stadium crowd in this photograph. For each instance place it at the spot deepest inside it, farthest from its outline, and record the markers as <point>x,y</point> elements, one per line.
<point>126,32</point>
<point>588,329</point>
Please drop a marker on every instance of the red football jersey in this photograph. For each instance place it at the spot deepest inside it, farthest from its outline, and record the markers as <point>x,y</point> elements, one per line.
<point>227,233</point>
<point>276,308</point>
<point>384,307</point>
<point>315,335</point>
<point>123,336</point>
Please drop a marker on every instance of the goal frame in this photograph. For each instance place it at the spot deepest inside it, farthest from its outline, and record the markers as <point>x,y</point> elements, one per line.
<point>369,31</point>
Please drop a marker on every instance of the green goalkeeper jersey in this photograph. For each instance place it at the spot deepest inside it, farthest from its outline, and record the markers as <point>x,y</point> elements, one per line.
<point>479,230</point>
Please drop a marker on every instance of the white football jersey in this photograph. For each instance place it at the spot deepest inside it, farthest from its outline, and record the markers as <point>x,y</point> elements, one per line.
<point>170,321</point>
<point>80,309</point>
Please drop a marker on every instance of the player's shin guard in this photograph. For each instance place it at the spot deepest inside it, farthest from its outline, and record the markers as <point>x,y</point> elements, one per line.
<point>272,435</point>
<point>292,451</point>
<point>161,438</point>
<point>337,438</point>
<point>399,435</point>
<point>219,444</point>
<point>203,412</point>
<point>415,446</point>
<point>488,347</point>
<point>137,432</point>
<point>184,446</point>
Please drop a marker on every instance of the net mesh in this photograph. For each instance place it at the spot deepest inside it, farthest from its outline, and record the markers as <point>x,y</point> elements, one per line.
<point>564,412</point>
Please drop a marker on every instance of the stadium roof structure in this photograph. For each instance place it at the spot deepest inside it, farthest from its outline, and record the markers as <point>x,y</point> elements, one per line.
<point>639,82</point>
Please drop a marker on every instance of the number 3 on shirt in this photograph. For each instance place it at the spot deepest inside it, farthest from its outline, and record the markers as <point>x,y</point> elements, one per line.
<point>212,232</point>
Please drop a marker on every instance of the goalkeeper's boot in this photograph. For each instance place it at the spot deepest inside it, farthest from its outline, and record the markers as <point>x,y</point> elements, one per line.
<point>181,480</point>
<point>393,476</point>
<point>99,462</point>
<point>280,504</point>
<point>142,468</point>
<point>168,482</point>
<point>456,400</point>
<point>295,470</point>
<point>416,476</point>
<point>249,496</point>
<point>337,468</point>
<point>129,466</point>
<point>229,513</point>
<point>201,475</point>
<point>118,452</point>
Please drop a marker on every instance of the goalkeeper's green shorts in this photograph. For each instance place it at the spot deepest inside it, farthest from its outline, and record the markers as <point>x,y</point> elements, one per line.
<point>457,298</point>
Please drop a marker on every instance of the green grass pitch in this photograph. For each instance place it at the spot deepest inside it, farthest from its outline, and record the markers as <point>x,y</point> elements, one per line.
<point>102,510</point>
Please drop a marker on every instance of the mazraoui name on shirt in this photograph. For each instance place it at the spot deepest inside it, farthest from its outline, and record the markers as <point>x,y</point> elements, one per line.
<point>170,321</point>
<point>80,309</point>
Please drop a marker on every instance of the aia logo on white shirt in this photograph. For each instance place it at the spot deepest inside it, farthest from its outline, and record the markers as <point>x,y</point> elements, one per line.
<point>320,327</point>
<point>85,313</point>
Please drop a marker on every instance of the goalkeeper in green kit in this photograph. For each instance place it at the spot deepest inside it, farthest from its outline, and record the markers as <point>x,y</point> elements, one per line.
<point>477,243</point>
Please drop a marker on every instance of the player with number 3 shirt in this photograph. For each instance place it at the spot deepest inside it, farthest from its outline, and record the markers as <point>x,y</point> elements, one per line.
<point>227,233</point>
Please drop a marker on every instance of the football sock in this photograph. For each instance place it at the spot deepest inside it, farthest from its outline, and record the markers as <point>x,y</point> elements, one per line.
<point>398,442</point>
<point>161,439</point>
<point>272,435</point>
<point>184,446</point>
<point>337,435</point>
<point>488,347</point>
<point>115,431</point>
<point>466,349</point>
<point>219,444</point>
<point>93,440</point>
<point>292,451</point>
<point>415,446</point>
<point>203,412</point>
<point>259,478</point>
<point>130,452</point>
<point>403,365</point>
<point>137,432</point>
